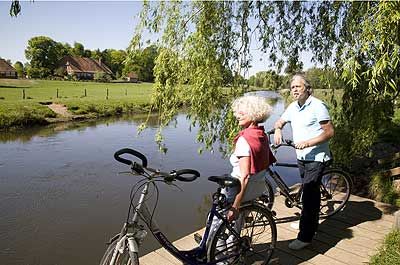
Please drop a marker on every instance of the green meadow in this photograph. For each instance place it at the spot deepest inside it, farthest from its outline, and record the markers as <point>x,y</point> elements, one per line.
<point>24,102</point>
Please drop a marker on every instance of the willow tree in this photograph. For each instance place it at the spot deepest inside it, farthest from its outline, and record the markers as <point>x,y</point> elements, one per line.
<point>198,40</point>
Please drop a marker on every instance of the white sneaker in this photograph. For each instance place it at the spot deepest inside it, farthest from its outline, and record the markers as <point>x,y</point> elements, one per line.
<point>297,244</point>
<point>295,225</point>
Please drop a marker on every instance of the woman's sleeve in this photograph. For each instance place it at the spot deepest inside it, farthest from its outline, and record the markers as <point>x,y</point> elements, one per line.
<point>242,148</point>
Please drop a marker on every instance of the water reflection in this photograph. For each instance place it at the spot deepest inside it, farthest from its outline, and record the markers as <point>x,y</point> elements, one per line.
<point>27,134</point>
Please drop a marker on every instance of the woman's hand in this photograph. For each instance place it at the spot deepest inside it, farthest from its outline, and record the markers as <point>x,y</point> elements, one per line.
<point>232,214</point>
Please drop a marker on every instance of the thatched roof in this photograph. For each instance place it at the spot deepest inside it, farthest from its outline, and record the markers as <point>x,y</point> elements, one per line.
<point>83,64</point>
<point>5,66</point>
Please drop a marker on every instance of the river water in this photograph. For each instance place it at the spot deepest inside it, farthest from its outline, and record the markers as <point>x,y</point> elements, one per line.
<point>62,197</point>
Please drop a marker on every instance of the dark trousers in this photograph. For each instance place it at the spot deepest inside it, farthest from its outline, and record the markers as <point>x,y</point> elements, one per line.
<point>311,173</point>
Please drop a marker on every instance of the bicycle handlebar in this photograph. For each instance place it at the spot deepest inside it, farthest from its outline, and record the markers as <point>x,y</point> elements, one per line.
<point>118,157</point>
<point>285,142</point>
<point>195,174</point>
<point>139,168</point>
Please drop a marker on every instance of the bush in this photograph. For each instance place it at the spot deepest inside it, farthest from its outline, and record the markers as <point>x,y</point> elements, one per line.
<point>381,189</point>
<point>102,77</point>
<point>389,253</point>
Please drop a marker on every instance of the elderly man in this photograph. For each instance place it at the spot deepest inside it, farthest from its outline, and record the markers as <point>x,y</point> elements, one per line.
<point>312,128</point>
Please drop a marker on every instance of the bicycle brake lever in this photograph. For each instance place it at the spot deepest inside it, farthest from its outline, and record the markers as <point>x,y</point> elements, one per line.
<point>137,168</point>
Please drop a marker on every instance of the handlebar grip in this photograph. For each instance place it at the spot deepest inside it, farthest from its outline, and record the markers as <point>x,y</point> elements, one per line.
<point>290,143</point>
<point>118,157</point>
<point>272,131</point>
<point>195,174</point>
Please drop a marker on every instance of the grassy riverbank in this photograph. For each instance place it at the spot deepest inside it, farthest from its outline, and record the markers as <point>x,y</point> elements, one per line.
<point>24,102</point>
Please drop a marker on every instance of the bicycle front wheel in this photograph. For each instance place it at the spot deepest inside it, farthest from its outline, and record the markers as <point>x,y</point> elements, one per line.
<point>257,238</point>
<point>121,258</point>
<point>335,187</point>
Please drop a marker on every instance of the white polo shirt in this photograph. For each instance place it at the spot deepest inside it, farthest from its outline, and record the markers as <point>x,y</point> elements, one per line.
<point>305,122</point>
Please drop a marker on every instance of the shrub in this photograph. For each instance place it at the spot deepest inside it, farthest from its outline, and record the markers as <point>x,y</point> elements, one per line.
<point>381,189</point>
<point>389,253</point>
<point>102,77</point>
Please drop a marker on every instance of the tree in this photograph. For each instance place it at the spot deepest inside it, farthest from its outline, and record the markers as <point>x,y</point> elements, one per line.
<point>324,78</point>
<point>361,38</point>
<point>142,62</point>
<point>78,50</point>
<point>44,55</point>
<point>267,79</point>
<point>20,69</point>
<point>113,59</point>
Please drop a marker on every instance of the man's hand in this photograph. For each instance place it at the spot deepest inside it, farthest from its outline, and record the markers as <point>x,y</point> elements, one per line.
<point>278,137</point>
<point>302,145</point>
<point>278,132</point>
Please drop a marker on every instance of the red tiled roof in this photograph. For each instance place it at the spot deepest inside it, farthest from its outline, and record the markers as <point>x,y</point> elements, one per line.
<point>6,67</point>
<point>83,64</point>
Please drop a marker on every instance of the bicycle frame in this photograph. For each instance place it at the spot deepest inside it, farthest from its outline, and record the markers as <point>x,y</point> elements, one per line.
<point>133,233</point>
<point>293,199</point>
<point>284,188</point>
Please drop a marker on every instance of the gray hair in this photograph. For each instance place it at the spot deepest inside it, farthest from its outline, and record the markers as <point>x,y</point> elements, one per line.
<point>307,83</point>
<point>255,107</point>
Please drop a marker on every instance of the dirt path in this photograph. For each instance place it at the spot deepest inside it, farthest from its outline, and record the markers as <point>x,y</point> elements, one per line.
<point>60,110</point>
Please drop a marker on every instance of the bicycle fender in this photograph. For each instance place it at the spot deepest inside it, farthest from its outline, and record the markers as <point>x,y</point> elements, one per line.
<point>121,244</point>
<point>132,245</point>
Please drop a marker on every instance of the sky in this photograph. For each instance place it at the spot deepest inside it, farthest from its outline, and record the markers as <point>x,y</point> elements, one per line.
<point>95,24</point>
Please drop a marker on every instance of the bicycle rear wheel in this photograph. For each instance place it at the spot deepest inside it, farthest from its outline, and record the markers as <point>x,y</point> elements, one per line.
<point>121,258</point>
<point>257,238</point>
<point>268,196</point>
<point>335,187</point>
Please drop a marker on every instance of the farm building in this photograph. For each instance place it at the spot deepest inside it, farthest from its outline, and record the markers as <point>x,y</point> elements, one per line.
<point>132,77</point>
<point>83,68</point>
<point>6,70</point>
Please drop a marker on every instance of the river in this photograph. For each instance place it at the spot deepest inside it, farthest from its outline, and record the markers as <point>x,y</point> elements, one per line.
<point>62,197</point>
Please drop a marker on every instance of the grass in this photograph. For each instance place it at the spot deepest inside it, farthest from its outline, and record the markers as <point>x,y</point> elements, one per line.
<point>382,189</point>
<point>389,253</point>
<point>82,98</point>
<point>45,90</point>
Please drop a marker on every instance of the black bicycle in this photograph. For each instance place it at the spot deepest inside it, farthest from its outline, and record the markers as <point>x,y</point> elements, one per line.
<point>336,185</point>
<point>251,238</point>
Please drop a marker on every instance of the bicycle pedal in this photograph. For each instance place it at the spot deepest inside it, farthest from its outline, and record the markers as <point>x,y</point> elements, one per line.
<point>197,237</point>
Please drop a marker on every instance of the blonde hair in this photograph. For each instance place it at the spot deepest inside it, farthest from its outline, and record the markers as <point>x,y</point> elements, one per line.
<point>255,107</point>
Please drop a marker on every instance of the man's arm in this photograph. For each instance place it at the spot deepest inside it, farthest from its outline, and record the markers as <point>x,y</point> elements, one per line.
<point>278,133</point>
<point>327,133</point>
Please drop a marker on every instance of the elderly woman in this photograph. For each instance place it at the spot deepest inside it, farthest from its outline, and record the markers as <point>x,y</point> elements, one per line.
<point>252,154</point>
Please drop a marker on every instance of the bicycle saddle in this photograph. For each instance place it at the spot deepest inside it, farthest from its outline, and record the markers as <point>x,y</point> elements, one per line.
<point>225,181</point>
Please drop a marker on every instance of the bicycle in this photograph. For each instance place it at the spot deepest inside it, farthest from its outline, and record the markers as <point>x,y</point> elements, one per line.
<point>335,186</point>
<point>253,235</point>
